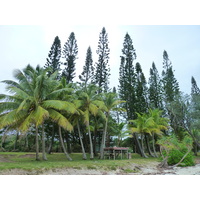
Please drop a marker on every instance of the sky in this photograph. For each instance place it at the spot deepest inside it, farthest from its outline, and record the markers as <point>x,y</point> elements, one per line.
<point>30,44</point>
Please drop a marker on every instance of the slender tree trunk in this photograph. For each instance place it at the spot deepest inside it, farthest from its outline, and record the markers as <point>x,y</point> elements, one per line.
<point>15,145</point>
<point>37,144</point>
<point>52,140</point>
<point>148,145</point>
<point>43,144</point>
<point>182,158</point>
<point>104,139</point>
<point>95,140</point>
<point>81,141</point>
<point>195,148</point>
<point>68,142</point>
<point>142,141</point>
<point>3,138</point>
<point>26,139</point>
<point>63,146</point>
<point>91,144</point>
<point>154,149</point>
<point>140,149</point>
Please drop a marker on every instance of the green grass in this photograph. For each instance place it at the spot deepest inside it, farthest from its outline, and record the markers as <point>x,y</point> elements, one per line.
<point>58,160</point>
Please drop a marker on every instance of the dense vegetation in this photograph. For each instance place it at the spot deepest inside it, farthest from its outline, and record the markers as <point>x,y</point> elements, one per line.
<point>47,111</point>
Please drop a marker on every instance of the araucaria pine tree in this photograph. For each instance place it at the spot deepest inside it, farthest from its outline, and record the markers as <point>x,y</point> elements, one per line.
<point>140,90</point>
<point>127,77</point>
<point>195,89</point>
<point>170,84</point>
<point>88,69</point>
<point>70,52</point>
<point>155,88</point>
<point>171,92</point>
<point>53,60</point>
<point>102,69</point>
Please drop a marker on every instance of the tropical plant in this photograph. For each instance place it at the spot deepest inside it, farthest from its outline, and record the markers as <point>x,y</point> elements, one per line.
<point>32,102</point>
<point>90,105</point>
<point>111,102</point>
<point>160,125</point>
<point>175,152</point>
<point>143,125</point>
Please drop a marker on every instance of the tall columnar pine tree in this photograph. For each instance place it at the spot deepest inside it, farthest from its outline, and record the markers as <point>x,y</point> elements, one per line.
<point>88,69</point>
<point>195,102</point>
<point>127,78</point>
<point>155,88</point>
<point>195,89</point>
<point>170,84</point>
<point>127,85</point>
<point>70,52</point>
<point>171,92</point>
<point>102,71</point>
<point>140,90</point>
<point>53,60</point>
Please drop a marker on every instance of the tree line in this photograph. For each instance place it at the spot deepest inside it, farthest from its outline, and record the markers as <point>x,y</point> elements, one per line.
<point>47,108</point>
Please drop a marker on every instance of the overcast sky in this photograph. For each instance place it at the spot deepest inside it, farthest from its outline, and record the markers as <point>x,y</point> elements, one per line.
<point>22,45</point>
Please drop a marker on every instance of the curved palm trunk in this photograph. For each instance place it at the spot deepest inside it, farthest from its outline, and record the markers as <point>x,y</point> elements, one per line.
<point>37,144</point>
<point>52,140</point>
<point>26,141</point>
<point>104,139</point>
<point>43,144</point>
<point>154,149</point>
<point>91,144</point>
<point>81,141</point>
<point>141,150</point>
<point>15,145</point>
<point>148,145</point>
<point>63,146</point>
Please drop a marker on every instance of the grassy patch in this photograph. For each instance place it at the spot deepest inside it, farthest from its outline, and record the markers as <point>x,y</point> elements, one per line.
<point>26,161</point>
<point>131,171</point>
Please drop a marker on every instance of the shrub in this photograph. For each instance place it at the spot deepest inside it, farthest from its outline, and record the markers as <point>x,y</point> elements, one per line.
<point>176,155</point>
<point>177,152</point>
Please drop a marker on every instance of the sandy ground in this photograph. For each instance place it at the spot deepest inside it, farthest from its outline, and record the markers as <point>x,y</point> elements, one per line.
<point>152,169</point>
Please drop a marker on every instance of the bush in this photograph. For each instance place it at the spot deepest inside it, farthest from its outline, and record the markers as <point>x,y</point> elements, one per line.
<point>175,150</point>
<point>176,155</point>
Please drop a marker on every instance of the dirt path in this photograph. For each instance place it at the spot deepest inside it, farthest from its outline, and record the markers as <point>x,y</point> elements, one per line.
<point>136,170</point>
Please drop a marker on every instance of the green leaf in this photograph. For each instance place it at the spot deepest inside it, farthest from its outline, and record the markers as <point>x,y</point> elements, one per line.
<point>60,119</point>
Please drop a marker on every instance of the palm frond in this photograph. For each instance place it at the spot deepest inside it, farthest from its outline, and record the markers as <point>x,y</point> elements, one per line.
<point>11,83</point>
<point>93,109</point>
<point>100,104</point>
<point>26,123</point>
<point>24,82</point>
<point>39,115</point>
<point>11,118</point>
<point>23,106</point>
<point>8,106</point>
<point>58,92</point>
<point>18,92</point>
<point>78,103</point>
<point>60,119</point>
<point>60,105</point>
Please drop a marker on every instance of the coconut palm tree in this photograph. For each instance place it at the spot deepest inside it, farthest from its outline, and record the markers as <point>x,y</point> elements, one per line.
<point>142,125</point>
<point>90,105</point>
<point>76,118</point>
<point>111,102</point>
<point>160,124</point>
<point>32,102</point>
<point>148,125</point>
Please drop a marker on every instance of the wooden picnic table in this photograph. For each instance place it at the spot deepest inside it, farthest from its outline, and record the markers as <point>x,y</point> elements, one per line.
<point>114,152</point>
